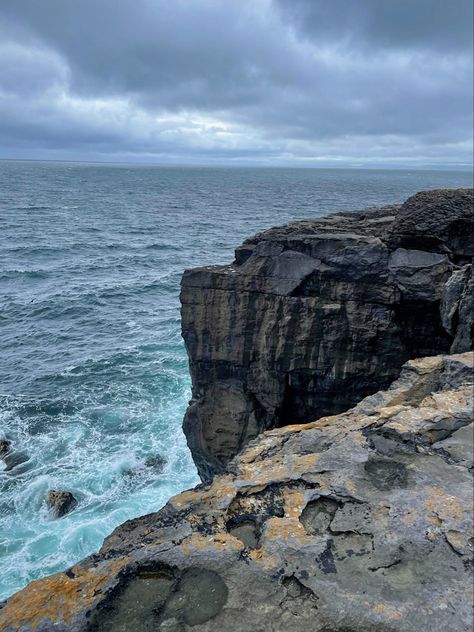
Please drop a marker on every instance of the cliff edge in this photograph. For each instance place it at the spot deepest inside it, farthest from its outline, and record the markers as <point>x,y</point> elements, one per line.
<point>359,521</point>
<point>313,316</point>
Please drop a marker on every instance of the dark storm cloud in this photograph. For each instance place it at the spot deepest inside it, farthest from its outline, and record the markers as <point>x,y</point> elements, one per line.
<point>355,81</point>
<point>439,25</point>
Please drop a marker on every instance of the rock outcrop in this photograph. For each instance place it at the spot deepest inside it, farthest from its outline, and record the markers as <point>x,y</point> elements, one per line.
<point>355,522</point>
<point>313,316</point>
<point>60,502</point>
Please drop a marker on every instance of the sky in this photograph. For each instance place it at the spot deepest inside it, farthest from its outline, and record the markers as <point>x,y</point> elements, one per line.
<point>351,83</point>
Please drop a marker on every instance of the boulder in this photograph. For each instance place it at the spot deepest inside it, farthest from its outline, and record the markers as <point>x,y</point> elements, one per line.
<point>60,502</point>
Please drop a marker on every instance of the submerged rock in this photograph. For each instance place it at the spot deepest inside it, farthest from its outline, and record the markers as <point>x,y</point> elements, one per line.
<point>359,521</point>
<point>11,457</point>
<point>60,502</point>
<point>5,446</point>
<point>313,316</point>
<point>157,462</point>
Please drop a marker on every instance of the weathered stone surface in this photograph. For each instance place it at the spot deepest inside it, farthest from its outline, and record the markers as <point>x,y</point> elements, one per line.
<point>440,220</point>
<point>60,502</point>
<point>360,521</point>
<point>313,316</point>
<point>457,308</point>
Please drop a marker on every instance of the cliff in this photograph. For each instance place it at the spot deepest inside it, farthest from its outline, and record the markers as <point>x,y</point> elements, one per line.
<point>313,316</point>
<point>355,522</point>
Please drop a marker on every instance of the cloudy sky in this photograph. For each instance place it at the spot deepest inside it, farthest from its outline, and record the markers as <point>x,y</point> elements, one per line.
<point>303,82</point>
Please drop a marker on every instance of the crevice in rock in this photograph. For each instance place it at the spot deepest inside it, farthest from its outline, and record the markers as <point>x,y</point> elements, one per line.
<point>421,329</point>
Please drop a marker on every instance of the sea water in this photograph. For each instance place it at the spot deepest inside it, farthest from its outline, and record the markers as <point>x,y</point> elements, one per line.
<point>93,372</point>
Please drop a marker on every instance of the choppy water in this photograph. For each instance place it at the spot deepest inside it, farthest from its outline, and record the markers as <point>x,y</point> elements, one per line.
<point>93,373</point>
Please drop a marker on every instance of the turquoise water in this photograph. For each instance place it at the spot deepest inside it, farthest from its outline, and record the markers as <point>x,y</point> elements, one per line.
<point>93,373</point>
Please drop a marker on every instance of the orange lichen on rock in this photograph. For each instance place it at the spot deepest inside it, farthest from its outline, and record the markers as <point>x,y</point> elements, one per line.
<point>58,597</point>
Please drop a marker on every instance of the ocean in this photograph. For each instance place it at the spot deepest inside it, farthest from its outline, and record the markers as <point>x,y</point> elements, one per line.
<point>93,372</point>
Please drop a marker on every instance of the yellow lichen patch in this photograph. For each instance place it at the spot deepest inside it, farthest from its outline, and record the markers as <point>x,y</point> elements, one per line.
<point>197,542</point>
<point>294,503</point>
<point>387,611</point>
<point>264,444</point>
<point>389,411</point>
<point>447,508</point>
<point>449,402</point>
<point>302,464</point>
<point>409,518</point>
<point>58,597</point>
<point>264,559</point>
<point>288,530</point>
<point>426,365</point>
<point>277,469</point>
<point>358,438</point>
<point>184,499</point>
<point>350,485</point>
<point>411,420</point>
<point>221,493</point>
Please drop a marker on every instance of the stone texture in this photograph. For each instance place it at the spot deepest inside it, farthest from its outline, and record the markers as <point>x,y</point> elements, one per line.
<point>355,522</point>
<point>457,308</point>
<point>441,220</point>
<point>313,316</point>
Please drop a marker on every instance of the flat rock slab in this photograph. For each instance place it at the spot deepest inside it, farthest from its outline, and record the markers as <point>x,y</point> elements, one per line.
<point>355,522</point>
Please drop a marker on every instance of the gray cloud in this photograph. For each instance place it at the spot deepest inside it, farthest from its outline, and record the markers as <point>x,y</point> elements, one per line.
<point>351,81</point>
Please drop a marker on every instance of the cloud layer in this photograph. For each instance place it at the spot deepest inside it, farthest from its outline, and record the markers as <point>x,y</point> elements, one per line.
<point>349,82</point>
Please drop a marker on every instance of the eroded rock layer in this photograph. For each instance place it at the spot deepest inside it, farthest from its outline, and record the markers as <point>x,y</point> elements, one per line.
<point>356,522</point>
<point>313,316</point>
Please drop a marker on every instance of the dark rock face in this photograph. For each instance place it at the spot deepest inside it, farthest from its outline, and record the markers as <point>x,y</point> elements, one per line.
<point>437,220</point>
<point>356,522</point>
<point>5,446</point>
<point>60,503</point>
<point>313,316</point>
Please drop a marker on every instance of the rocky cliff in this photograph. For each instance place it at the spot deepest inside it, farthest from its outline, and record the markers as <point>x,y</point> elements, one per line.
<point>360,520</point>
<point>313,316</point>
<point>356,522</point>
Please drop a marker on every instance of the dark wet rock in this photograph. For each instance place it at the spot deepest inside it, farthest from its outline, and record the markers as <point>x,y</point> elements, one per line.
<point>12,458</point>
<point>156,462</point>
<point>355,522</point>
<point>457,308</point>
<point>60,502</point>
<point>313,316</point>
<point>5,447</point>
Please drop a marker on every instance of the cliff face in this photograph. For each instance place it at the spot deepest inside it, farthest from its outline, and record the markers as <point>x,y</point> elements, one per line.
<point>313,316</point>
<point>355,522</point>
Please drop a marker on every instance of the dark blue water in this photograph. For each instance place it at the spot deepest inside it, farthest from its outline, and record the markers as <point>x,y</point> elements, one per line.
<point>93,373</point>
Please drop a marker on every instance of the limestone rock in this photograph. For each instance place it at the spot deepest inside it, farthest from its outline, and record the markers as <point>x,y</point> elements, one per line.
<point>359,521</point>
<point>313,316</point>
<point>441,220</point>
<point>60,502</point>
<point>457,308</point>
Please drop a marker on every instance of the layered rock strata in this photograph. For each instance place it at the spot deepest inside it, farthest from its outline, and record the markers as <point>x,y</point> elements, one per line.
<point>355,522</point>
<point>313,316</point>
